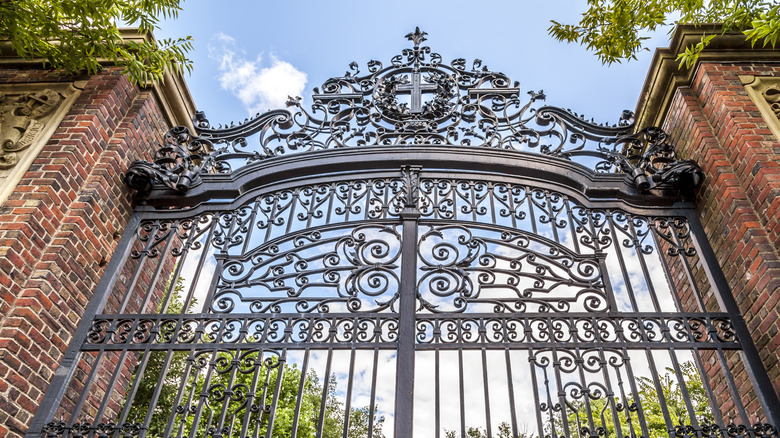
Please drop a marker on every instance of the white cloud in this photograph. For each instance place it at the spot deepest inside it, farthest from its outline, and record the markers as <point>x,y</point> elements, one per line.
<point>261,84</point>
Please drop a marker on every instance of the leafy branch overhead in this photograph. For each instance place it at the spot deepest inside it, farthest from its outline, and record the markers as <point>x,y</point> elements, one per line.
<point>77,35</point>
<point>616,29</point>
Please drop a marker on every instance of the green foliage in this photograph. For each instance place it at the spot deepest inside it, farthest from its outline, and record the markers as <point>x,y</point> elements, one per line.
<point>504,431</point>
<point>76,35</point>
<point>615,29</point>
<point>602,415</point>
<point>675,402</point>
<point>209,394</point>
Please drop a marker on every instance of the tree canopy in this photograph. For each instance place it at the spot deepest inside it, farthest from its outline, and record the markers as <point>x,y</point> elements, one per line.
<point>617,29</point>
<point>77,35</point>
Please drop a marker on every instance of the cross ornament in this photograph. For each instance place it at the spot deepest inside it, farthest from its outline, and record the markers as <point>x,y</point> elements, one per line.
<point>416,89</point>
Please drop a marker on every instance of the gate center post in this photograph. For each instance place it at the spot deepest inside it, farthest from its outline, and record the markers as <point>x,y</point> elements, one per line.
<point>404,390</point>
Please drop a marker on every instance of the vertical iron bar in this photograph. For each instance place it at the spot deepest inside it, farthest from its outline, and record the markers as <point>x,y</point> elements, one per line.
<point>203,396</point>
<point>462,393</point>
<point>196,276</point>
<point>263,396</point>
<point>158,388</point>
<point>616,245</point>
<point>584,382</point>
<point>643,264</point>
<point>299,398</point>
<point>250,226</point>
<point>280,366</point>
<point>486,385</point>
<point>688,274</point>
<point>324,399</point>
<point>162,306</point>
<point>235,364</point>
<point>138,270</point>
<point>87,386</point>
<point>714,403</point>
<point>537,402</point>
<point>511,391</point>
<point>610,395</point>
<point>660,392</point>
<point>491,196</point>
<point>372,406</point>
<point>110,386</point>
<point>404,391</point>
<point>661,257</point>
<point>561,394</point>
<point>348,400</point>
<point>737,397</point>
<point>437,393</point>
<point>252,394</point>
<point>157,272</point>
<point>552,217</point>
<point>635,392</point>
<point>180,394</point>
<point>572,229</point>
<point>529,197</point>
<point>682,387</point>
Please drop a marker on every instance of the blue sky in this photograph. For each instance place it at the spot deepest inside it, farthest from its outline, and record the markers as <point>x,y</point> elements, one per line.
<point>250,55</point>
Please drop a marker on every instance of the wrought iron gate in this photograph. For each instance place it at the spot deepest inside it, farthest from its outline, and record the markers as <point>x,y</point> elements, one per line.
<point>462,264</point>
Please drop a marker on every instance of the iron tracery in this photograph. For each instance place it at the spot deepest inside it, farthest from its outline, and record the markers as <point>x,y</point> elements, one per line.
<point>472,107</point>
<point>409,278</point>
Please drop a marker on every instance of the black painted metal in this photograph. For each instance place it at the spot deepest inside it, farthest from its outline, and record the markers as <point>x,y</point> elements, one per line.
<point>414,284</point>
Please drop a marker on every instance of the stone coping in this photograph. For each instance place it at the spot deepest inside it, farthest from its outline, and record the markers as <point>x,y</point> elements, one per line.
<point>664,75</point>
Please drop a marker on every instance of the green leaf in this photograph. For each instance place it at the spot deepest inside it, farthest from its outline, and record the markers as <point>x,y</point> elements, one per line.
<point>81,35</point>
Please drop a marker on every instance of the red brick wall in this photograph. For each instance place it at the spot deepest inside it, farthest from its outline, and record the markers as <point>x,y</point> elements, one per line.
<point>714,122</point>
<point>60,226</point>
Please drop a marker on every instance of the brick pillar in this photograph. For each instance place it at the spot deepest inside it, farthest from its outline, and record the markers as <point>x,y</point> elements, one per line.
<point>61,221</point>
<point>711,117</point>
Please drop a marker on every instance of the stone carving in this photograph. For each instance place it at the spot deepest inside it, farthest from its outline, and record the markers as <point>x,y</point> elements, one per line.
<point>764,91</point>
<point>21,121</point>
<point>772,97</point>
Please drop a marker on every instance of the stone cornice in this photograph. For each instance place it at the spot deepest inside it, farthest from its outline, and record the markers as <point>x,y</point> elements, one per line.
<point>664,76</point>
<point>172,93</point>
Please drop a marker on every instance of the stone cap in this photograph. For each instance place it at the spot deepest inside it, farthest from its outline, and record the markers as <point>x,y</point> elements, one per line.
<point>172,93</point>
<point>664,76</point>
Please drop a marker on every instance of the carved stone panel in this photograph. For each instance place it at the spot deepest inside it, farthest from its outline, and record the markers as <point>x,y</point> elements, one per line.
<point>765,93</point>
<point>29,114</point>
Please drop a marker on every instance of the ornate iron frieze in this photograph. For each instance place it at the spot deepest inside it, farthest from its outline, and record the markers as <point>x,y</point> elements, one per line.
<point>417,99</point>
<point>657,330</point>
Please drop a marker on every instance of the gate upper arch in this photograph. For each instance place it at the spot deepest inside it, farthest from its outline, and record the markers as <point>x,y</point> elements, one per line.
<point>465,261</point>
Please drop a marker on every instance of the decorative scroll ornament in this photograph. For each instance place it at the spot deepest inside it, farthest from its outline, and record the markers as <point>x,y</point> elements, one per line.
<point>20,121</point>
<point>417,100</point>
<point>177,165</point>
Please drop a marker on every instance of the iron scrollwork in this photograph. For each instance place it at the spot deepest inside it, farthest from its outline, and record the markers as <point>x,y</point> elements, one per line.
<point>177,165</point>
<point>449,104</point>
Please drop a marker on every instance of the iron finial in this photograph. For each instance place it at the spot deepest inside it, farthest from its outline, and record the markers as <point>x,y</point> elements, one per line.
<point>417,37</point>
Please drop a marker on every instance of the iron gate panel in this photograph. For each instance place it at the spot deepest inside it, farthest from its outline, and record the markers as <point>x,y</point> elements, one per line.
<point>449,267</point>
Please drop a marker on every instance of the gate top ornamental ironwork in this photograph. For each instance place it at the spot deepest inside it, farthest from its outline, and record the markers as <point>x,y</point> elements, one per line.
<point>469,106</point>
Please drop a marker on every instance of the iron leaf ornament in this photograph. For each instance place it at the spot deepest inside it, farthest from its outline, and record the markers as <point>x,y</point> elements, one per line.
<point>417,100</point>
